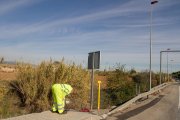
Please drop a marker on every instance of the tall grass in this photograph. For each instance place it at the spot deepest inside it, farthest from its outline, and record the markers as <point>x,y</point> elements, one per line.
<point>33,85</point>
<point>8,102</point>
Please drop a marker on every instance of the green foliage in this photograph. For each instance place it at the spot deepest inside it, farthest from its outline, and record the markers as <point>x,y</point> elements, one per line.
<point>120,87</point>
<point>121,84</point>
<point>143,80</point>
<point>33,86</point>
<point>137,78</point>
<point>176,75</point>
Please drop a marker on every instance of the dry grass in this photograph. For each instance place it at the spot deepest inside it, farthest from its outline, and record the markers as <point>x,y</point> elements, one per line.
<point>5,75</point>
<point>8,76</point>
<point>8,102</point>
<point>33,86</point>
<point>103,80</point>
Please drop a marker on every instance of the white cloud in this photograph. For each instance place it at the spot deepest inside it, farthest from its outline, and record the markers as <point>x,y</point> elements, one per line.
<point>21,29</point>
<point>10,5</point>
<point>129,8</point>
<point>125,43</point>
<point>164,4</point>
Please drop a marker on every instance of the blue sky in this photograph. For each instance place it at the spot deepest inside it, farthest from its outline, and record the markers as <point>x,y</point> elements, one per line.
<point>37,30</point>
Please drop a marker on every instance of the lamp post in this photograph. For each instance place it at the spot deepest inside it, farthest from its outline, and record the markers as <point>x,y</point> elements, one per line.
<point>166,51</point>
<point>171,67</point>
<point>160,66</point>
<point>168,65</point>
<point>152,3</point>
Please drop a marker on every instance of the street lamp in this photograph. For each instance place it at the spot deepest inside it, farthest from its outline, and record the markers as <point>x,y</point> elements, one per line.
<point>166,51</point>
<point>171,68</point>
<point>152,3</point>
<point>168,65</point>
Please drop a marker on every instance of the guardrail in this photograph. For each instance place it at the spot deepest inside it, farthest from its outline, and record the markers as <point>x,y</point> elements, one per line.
<point>128,103</point>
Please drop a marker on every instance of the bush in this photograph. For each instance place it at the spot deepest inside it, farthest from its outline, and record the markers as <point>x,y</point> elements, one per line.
<point>176,75</point>
<point>33,86</point>
<point>120,87</point>
<point>142,79</point>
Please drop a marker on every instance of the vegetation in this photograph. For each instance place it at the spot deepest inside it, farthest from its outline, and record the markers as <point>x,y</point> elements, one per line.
<point>8,102</point>
<point>33,86</point>
<point>31,91</point>
<point>120,86</point>
<point>176,75</point>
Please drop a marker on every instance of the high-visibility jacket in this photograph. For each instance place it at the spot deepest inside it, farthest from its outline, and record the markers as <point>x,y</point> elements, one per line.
<point>59,92</point>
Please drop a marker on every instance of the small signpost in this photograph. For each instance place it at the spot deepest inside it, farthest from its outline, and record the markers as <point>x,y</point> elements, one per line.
<point>93,63</point>
<point>99,94</point>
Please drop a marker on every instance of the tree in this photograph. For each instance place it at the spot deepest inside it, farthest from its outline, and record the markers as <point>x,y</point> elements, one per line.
<point>2,60</point>
<point>176,75</point>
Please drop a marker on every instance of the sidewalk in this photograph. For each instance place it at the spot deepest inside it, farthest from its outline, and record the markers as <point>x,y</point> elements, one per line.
<point>48,115</point>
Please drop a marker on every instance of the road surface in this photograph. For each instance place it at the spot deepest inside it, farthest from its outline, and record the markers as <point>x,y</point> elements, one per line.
<point>165,106</point>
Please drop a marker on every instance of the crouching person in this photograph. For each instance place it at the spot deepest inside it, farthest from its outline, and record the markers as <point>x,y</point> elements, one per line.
<point>59,92</point>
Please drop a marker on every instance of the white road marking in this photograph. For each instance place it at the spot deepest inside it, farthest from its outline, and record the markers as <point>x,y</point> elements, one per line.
<point>179,98</point>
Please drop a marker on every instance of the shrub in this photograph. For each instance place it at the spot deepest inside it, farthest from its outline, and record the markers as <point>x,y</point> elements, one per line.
<point>33,86</point>
<point>120,87</point>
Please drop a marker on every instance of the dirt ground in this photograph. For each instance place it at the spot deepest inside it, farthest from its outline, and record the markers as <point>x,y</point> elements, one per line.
<point>8,76</point>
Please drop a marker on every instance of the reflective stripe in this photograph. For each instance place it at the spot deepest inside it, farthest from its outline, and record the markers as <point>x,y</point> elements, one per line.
<point>63,86</point>
<point>66,88</point>
<point>59,104</point>
<point>61,108</point>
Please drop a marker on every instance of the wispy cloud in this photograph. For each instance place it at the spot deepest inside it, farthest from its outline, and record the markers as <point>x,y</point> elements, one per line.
<point>129,8</point>
<point>121,32</point>
<point>7,6</point>
<point>21,29</point>
<point>164,4</point>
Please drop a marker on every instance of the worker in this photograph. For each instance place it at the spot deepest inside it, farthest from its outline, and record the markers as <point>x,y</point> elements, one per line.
<point>59,92</point>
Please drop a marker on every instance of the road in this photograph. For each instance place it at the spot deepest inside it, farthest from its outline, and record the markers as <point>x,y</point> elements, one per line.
<point>165,106</point>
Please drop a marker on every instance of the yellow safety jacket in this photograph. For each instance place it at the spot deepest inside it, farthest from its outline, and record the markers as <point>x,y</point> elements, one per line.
<point>59,91</point>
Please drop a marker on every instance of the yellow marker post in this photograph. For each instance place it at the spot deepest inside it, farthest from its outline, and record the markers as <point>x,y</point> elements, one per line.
<point>99,94</point>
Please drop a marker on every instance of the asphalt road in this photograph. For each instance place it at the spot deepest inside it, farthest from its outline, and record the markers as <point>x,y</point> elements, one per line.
<point>165,106</point>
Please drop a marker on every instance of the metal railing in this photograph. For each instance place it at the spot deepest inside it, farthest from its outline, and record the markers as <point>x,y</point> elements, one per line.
<point>128,103</point>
